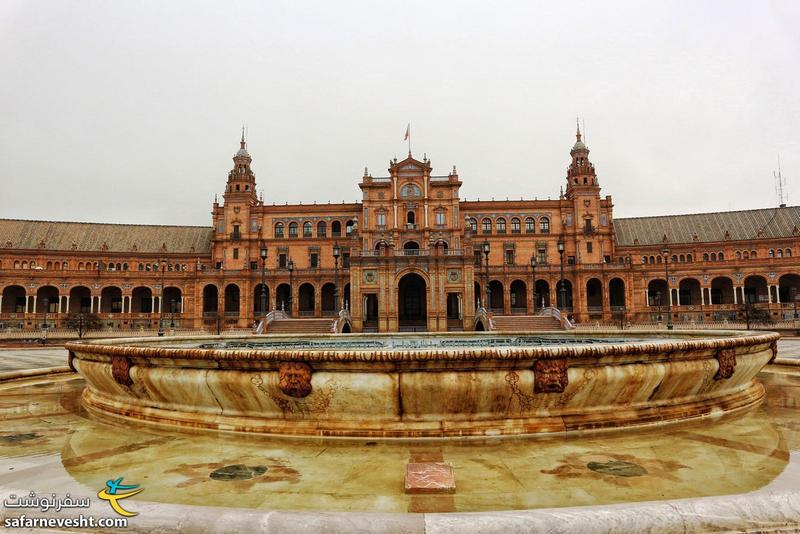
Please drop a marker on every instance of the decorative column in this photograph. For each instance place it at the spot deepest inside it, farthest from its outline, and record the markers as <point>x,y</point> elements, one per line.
<point>59,304</point>
<point>1,301</point>
<point>183,301</point>
<point>67,297</point>
<point>34,304</point>
<point>91,303</point>
<point>703,296</point>
<point>152,303</point>
<point>735,295</point>
<point>99,303</point>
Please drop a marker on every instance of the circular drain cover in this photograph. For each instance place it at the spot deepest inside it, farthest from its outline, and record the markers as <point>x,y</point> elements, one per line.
<point>238,472</point>
<point>618,468</point>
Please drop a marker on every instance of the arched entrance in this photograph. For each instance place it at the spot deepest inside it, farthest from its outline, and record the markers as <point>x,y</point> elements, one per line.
<point>411,309</point>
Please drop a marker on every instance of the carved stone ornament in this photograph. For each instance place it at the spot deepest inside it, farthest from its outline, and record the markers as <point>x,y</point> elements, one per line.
<point>550,376</point>
<point>774,348</point>
<point>121,370</point>
<point>70,361</point>
<point>294,379</point>
<point>727,363</point>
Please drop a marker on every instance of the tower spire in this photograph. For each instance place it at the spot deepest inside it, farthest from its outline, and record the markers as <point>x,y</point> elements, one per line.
<point>578,128</point>
<point>243,143</point>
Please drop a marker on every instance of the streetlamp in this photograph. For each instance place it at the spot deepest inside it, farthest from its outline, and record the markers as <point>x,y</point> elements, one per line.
<point>485,247</point>
<point>533,280</point>
<point>290,266</point>
<point>263,278</point>
<point>337,251</point>
<point>172,313</point>
<point>161,300</point>
<point>562,291</point>
<point>665,253</point>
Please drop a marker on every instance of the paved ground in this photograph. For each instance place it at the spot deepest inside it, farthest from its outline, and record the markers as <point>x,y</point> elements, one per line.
<point>15,359</point>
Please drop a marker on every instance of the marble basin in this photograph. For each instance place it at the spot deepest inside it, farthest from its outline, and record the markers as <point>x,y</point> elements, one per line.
<point>423,385</point>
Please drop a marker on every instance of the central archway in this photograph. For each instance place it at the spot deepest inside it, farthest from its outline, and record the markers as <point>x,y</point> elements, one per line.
<point>411,307</point>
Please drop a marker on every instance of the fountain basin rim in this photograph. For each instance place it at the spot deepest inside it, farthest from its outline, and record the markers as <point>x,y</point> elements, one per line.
<point>695,340</point>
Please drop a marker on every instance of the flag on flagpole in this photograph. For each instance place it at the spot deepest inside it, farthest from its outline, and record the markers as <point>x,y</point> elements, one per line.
<point>408,132</point>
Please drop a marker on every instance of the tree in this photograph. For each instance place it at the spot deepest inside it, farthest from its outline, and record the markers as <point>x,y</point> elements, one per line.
<point>754,315</point>
<point>83,322</point>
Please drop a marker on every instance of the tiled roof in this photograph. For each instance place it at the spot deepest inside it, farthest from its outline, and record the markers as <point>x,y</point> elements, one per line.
<point>708,227</point>
<point>50,235</point>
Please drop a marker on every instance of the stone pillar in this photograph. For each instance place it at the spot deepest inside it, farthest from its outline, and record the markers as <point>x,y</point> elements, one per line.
<point>669,290</point>
<point>99,304</point>
<point>34,304</point>
<point>1,301</point>
<point>735,295</point>
<point>678,296</point>
<point>59,305</point>
<point>91,303</point>
<point>183,300</point>
<point>769,294</point>
<point>67,303</point>
<point>703,296</point>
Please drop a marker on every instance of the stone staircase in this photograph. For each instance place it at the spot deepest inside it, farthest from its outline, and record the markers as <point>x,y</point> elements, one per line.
<point>300,326</point>
<point>524,323</point>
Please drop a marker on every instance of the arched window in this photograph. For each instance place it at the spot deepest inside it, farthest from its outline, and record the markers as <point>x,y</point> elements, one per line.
<point>544,225</point>
<point>530,225</point>
<point>348,227</point>
<point>721,256</point>
<point>738,254</point>
<point>24,264</point>
<point>306,229</point>
<point>753,254</point>
<point>780,253</point>
<point>746,255</point>
<point>279,229</point>
<point>652,259</point>
<point>336,229</point>
<point>644,259</point>
<point>486,226</point>
<point>788,253</point>
<point>713,256</point>
<point>322,229</point>
<point>705,256</point>
<point>515,227</point>
<point>689,258</point>
<point>411,217</point>
<point>658,258</point>
<point>674,258</point>
<point>16,264</point>
<point>771,253</point>
<point>292,229</point>
<point>473,225</point>
<point>682,258</point>
<point>501,226</point>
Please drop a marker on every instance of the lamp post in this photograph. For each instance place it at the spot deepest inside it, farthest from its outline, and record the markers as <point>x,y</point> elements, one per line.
<point>533,281</point>
<point>172,303</point>
<point>485,248</point>
<point>337,251</point>
<point>161,299</point>
<point>290,266</point>
<point>562,291</point>
<point>264,278</point>
<point>665,253</point>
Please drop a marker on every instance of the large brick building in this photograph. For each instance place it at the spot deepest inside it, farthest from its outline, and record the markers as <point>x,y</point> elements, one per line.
<point>411,255</point>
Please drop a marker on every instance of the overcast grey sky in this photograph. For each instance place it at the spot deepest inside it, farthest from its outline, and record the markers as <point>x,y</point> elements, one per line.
<point>131,111</point>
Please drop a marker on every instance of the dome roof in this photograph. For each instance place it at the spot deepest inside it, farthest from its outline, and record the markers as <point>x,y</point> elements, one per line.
<point>579,145</point>
<point>242,152</point>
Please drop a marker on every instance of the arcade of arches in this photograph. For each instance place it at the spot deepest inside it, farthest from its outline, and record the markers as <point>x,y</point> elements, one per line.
<point>410,255</point>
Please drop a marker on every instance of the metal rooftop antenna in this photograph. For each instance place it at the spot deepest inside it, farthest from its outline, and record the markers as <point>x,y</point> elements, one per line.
<point>780,186</point>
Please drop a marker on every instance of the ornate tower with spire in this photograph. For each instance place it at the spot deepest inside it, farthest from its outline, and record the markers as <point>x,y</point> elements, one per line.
<point>581,176</point>
<point>241,186</point>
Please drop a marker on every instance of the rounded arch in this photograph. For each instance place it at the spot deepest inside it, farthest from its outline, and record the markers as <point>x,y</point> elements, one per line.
<point>496,296</point>
<point>142,300</point>
<point>327,297</point>
<point>756,289</point>
<point>305,298</point>
<point>530,225</point>
<point>689,292</point>
<point>322,229</point>
<point>307,229</point>
<point>657,292</point>
<point>516,228</point>
<point>564,298</point>
<point>721,290</point>
<point>293,229</point>
<point>789,287</point>
<point>594,295</point>
<point>232,300</point>
<point>279,229</point>
<point>283,297</point>
<point>542,294</point>
<point>500,225</point>
<point>616,293</point>
<point>210,299</point>
<point>80,299</point>
<point>172,300</point>
<point>111,300</point>
<point>477,294</point>
<point>47,298</point>
<point>412,302</point>
<point>336,229</point>
<point>518,291</point>
<point>14,298</point>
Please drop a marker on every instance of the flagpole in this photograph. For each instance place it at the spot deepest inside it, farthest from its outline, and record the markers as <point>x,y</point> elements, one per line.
<point>409,139</point>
